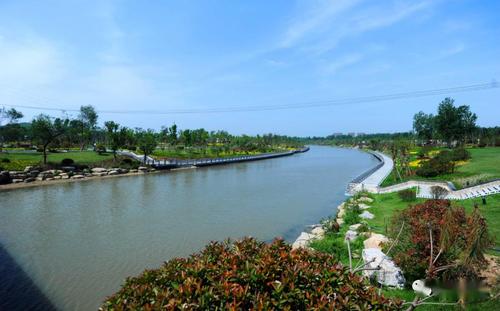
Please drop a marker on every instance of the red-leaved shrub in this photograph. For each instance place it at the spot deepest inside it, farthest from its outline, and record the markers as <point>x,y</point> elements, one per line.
<point>249,275</point>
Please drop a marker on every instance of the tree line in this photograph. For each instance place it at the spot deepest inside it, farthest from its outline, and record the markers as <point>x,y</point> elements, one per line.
<point>46,132</point>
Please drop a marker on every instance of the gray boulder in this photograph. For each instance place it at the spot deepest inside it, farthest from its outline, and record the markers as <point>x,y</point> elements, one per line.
<point>383,269</point>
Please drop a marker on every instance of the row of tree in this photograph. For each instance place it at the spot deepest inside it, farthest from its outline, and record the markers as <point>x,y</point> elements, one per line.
<point>83,131</point>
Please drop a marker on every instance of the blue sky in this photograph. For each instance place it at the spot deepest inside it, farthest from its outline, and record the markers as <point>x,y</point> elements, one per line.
<point>164,55</point>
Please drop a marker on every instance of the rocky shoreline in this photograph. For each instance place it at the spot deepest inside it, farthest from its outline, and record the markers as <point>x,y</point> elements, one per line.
<point>32,177</point>
<point>380,266</point>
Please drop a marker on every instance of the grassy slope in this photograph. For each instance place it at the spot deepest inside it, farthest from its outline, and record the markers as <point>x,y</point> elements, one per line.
<point>20,160</point>
<point>483,163</point>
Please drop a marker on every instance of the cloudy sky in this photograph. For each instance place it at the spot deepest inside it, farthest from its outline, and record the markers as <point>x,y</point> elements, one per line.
<point>197,55</point>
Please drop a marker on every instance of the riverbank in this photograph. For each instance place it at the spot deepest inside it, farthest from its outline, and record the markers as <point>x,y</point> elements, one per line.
<point>34,178</point>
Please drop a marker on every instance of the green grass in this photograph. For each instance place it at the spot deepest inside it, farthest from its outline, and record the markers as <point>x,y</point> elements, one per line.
<point>18,161</point>
<point>482,166</point>
<point>199,153</point>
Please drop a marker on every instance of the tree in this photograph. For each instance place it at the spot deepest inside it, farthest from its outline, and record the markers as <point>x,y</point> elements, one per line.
<point>146,141</point>
<point>88,118</point>
<point>424,125</point>
<point>45,130</point>
<point>116,137</point>
<point>11,131</point>
<point>454,123</point>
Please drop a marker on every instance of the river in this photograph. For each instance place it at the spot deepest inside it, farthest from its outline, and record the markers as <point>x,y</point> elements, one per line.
<point>69,246</point>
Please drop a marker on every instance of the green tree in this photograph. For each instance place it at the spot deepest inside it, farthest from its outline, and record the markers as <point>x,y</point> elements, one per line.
<point>454,123</point>
<point>146,141</point>
<point>115,135</point>
<point>12,130</point>
<point>88,118</point>
<point>424,125</point>
<point>45,130</point>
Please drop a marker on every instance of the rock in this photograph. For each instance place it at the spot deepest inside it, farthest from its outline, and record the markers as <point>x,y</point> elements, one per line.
<point>88,174</point>
<point>5,178</point>
<point>68,168</point>
<point>113,172</point>
<point>100,174</point>
<point>388,273</point>
<point>303,240</point>
<point>420,288</point>
<point>152,169</point>
<point>64,176</point>
<point>77,177</point>
<point>49,178</point>
<point>363,206</point>
<point>351,235</point>
<point>366,215</point>
<point>16,181</point>
<point>365,200</point>
<point>57,177</point>
<point>375,241</point>
<point>28,168</point>
<point>354,227</point>
<point>40,178</point>
<point>133,171</point>
<point>29,179</point>
<point>99,170</point>
<point>319,232</point>
<point>142,168</point>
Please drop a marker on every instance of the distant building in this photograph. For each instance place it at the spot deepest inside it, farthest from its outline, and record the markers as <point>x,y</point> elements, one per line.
<point>351,134</point>
<point>337,134</point>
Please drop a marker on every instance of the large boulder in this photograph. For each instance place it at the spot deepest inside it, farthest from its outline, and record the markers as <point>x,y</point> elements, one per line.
<point>99,170</point>
<point>381,268</point>
<point>5,178</point>
<point>303,240</point>
<point>113,172</point>
<point>375,240</point>
<point>366,215</point>
<point>365,200</point>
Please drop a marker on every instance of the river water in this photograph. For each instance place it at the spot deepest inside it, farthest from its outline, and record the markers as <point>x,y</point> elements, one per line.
<point>69,246</point>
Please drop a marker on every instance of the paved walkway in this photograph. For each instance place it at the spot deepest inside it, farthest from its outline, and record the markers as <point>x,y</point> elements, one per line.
<point>371,183</point>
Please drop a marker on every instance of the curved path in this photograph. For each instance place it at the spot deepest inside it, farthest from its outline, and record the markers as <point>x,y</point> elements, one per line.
<point>370,181</point>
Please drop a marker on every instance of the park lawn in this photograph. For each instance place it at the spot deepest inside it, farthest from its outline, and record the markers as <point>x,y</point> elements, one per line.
<point>483,166</point>
<point>386,205</point>
<point>18,161</point>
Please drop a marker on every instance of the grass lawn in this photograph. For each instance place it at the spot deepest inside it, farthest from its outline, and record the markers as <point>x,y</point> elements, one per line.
<point>482,166</point>
<point>18,161</point>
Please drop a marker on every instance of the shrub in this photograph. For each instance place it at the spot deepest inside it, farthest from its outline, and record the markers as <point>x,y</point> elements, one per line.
<point>441,164</point>
<point>408,195</point>
<point>5,178</point>
<point>438,192</point>
<point>5,160</point>
<point>460,154</point>
<point>248,274</point>
<point>351,215</point>
<point>67,162</point>
<point>461,239</point>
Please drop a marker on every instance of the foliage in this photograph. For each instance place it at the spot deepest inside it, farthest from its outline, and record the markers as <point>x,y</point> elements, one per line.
<point>351,215</point>
<point>67,162</point>
<point>408,195</point>
<point>100,149</point>
<point>248,274</point>
<point>451,237</point>
<point>46,131</point>
<point>454,123</point>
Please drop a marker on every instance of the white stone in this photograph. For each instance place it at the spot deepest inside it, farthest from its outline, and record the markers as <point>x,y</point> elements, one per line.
<point>318,232</point>
<point>114,172</point>
<point>363,206</point>
<point>99,170</point>
<point>375,241</point>
<point>419,287</point>
<point>77,177</point>
<point>366,215</point>
<point>142,168</point>
<point>16,181</point>
<point>365,199</point>
<point>303,240</point>
<point>354,227</point>
<point>386,272</point>
<point>351,235</point>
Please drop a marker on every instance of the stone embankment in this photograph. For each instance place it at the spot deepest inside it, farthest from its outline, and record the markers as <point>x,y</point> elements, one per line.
<point>32,174</point>
<point>377,264</point>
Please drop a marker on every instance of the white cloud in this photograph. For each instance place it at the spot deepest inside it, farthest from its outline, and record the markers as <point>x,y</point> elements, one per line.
<point>341,63</point>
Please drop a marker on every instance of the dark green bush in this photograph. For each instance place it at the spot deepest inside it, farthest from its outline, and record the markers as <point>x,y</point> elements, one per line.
<point>460,154</point>
<point>408,195</point>
<point>249,275</point>
<point>67,162</point>
<point>441,164</point>
<point>5,160</point>
<point>351,215</point>
<point>100,148</point>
